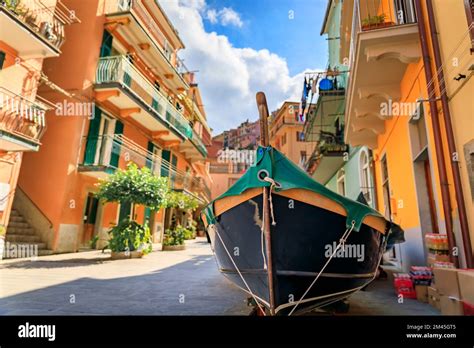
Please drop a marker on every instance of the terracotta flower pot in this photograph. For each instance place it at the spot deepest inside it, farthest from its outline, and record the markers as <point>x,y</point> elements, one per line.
<point>120,255</point>
<point>174,247</point>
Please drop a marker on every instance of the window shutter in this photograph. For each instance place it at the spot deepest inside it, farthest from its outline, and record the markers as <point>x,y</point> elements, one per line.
<point>114,158</point>
<point>166,155</point>
<point>150,149</point>
<point>125,208</point>
<point>92,137</point>
<point>106,47</point>
<point>146,217</point>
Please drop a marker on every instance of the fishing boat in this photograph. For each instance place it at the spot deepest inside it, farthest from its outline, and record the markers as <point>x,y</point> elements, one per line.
<point>289,242</point>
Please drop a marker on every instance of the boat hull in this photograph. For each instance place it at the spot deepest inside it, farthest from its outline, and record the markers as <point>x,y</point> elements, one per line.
<point>303,239</point>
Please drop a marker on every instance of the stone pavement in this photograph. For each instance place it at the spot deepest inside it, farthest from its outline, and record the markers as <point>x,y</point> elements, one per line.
<point>162,283</point>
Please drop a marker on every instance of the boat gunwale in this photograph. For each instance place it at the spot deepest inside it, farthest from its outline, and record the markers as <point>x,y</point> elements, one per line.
<point>302,195</point>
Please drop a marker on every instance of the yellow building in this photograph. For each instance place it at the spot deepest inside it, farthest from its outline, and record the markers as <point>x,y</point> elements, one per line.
<point>287,134</point>
<point>394,107</point>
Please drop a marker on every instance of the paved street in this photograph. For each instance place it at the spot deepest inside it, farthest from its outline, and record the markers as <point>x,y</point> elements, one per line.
<point>172,283</point>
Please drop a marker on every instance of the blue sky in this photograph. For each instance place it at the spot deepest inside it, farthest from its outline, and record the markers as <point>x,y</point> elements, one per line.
<point>240,47</point>
<point>266,24</point>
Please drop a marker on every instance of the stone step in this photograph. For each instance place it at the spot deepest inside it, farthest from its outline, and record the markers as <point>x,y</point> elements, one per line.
<point>45,252</point>
<point>21,230</point>
<point>23,238</point>
<point>41,252</point>
<point>14,212</point>
<point>16,218</point>
<point>18,224</point>
<point>20,245</point>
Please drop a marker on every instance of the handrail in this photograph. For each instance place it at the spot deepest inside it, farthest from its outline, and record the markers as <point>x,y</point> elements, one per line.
<point>36,206</point>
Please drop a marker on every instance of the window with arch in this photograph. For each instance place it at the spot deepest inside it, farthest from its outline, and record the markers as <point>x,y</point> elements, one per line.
<point>341,182</point>
<point>365,177</point>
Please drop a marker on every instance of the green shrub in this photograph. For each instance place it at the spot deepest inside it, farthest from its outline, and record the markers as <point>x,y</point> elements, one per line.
<point>174,237</point>
<point>93,242</point>
<point>130,236</point>
<point>191,231</point>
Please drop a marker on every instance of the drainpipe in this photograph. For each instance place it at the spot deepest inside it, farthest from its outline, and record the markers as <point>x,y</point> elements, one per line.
<point>437,134</point>
<point>450,137</point>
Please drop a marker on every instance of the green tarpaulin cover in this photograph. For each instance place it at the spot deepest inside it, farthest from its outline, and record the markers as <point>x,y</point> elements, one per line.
<point>284,172</point>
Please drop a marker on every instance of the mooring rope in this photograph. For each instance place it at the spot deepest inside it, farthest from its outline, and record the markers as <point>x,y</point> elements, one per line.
<point>273,184</point>
<point>237,269</point>
<point>342,241</point>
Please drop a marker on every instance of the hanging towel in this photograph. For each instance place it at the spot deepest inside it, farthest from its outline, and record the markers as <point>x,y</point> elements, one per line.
<point>314,85</point>
<point>306,89</point>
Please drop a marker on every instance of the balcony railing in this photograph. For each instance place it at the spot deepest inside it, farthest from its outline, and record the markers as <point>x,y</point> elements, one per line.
<point>377,14</point>
<point>46,21</point>
<point>197,141</point>
<point>119,69</point>
<point>21,117</point>
<point>104,152</point>
<point>137,8</point>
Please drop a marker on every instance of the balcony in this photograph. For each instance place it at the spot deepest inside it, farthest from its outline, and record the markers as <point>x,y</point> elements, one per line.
<point>119,82</point>
<point>136,22</point>
<point>103,155</point>
<point>384,40</point>
<point>33,29</point>
<point>22,122</point>
<point>194,148</point>
<point>326,129</point>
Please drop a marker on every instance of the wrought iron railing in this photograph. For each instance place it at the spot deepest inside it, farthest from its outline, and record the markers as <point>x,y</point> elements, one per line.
<point>377,14</point>
<point>106,151</point>
<point>21,117</point>
<point>148,22</point>
<point>45,21</point>
<point>119,69</point>
<point>197,141</point>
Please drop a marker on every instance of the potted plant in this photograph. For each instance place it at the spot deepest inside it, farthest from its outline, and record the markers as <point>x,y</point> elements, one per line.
<point>134,186</point>
<point>376,21</point>
<point>174,239</point>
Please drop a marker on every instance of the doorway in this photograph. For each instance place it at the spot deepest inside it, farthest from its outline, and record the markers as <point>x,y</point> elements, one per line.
<point>89,218</point>
<point>393,257</point>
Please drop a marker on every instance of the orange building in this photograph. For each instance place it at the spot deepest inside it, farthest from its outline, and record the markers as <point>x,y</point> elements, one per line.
<point>398,106</point>
<point>287,134</point>
<point>126,97</point>
<point>30,32</point>
<point>224,168</point>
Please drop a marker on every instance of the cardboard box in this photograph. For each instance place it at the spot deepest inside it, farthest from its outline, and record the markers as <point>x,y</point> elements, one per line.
<point>446,281</point>
<point>466,285</point>
<point>451,305</point>
<point>433,297</point>
<point>422,293</point>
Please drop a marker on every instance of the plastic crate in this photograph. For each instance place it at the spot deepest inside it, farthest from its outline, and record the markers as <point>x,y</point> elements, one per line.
<point>468,308</point>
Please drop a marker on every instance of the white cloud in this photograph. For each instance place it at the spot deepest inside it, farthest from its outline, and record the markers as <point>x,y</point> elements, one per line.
<point>212,16</point>
<point>226,17</point>
<point>229,77</point>
<point>230,17</point>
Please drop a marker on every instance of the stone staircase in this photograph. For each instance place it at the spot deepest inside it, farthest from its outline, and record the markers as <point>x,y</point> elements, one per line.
<point>19,232</point>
